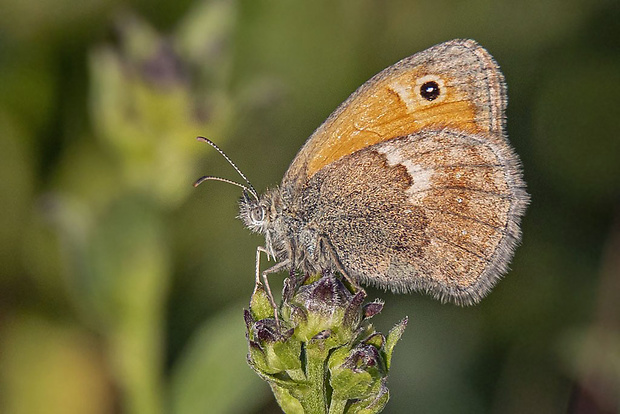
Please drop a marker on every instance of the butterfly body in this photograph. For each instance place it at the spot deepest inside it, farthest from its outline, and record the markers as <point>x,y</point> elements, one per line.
<point>409,185</point>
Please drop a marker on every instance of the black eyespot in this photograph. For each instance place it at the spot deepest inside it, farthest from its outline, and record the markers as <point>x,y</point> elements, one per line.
<point>430,91</point>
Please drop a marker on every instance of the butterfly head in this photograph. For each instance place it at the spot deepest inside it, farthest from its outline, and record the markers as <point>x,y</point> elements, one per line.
<point>267,215</point>
<point>260,214</point>
<point>254,212</point>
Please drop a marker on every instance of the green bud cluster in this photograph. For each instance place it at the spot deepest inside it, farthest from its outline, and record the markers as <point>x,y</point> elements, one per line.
<point>320,355</point>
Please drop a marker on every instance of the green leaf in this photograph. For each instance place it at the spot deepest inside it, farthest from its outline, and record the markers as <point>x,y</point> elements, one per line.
<point>395,333</point>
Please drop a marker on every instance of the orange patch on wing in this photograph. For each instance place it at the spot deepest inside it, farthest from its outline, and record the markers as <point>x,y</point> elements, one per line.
<point>391,108</point>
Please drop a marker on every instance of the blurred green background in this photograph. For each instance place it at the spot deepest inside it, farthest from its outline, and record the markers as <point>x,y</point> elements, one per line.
<point>121,287</point>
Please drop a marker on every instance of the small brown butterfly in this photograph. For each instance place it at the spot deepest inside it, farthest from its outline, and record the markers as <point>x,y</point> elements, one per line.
<point>410,184</point>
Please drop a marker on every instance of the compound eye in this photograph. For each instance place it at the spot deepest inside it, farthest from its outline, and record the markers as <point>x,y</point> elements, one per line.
<point>257,214</point>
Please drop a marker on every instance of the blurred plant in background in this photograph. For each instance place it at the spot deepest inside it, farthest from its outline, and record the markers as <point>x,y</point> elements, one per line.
<point>106,215</point>
<point>121,290</point>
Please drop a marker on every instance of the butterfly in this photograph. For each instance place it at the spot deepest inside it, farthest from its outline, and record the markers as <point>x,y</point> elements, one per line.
<point>409,185</point>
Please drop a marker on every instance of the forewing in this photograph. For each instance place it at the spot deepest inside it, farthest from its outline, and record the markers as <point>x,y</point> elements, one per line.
<point>472,99</point>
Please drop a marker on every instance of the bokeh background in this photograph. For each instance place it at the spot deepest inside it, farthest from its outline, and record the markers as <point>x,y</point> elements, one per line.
<point>122,287</point>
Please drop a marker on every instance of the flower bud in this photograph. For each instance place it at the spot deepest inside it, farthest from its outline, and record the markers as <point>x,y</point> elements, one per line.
<point>321,350</point>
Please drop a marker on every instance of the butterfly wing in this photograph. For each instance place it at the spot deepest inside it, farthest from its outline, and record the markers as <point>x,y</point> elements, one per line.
<point>411,182</point>
<point>436,211</point>
<point>471,98</point>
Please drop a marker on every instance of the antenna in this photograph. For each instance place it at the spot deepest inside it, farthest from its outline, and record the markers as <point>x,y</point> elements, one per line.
<point>224,180</point>
<point>249,188</point>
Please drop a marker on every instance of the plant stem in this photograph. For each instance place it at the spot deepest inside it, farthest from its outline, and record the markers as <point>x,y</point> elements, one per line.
<point>337,404</point>
<point>314,399</point>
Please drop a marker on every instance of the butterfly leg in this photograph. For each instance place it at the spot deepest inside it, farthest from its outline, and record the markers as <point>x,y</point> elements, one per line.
<point>259,250</point>
<point>336,262</point>
<point>265,279</point>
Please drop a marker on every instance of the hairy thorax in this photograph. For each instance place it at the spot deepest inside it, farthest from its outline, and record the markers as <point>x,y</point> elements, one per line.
<point>290,236</point>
